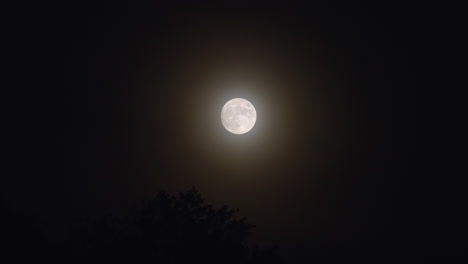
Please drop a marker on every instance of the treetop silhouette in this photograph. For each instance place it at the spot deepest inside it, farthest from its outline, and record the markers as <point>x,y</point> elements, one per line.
<point>173,229</point>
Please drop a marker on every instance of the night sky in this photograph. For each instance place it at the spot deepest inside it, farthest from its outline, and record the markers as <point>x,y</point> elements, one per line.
<point>350,155</point>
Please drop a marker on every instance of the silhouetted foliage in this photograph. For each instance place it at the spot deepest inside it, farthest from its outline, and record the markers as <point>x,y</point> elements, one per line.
<point>21,238</point>
<point>171,229</point>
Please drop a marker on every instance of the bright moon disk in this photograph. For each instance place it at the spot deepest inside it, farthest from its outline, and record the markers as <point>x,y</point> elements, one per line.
<point>238,116</point>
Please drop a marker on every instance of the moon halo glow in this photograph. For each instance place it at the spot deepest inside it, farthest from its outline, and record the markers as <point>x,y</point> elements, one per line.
<point>238,116</point>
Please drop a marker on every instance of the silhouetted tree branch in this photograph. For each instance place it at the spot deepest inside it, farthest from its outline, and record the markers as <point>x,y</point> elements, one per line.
<point>173,229</point>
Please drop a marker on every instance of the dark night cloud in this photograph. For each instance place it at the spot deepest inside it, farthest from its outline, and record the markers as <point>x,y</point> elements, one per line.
<point>117,103</point>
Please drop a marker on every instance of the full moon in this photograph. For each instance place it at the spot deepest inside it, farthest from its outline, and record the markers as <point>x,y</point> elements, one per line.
<point>238,116</point>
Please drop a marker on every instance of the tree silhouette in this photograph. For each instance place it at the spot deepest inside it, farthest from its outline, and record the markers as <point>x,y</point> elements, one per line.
<point>21,237</point>
<point>172,229</point>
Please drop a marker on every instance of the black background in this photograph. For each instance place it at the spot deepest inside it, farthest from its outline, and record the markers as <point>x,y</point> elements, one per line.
<point>110,103</point>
